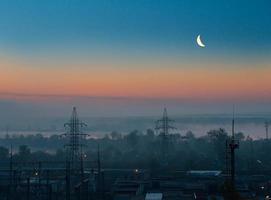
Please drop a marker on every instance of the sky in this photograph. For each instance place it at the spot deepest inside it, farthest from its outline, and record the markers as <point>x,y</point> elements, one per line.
<point>124,57</point>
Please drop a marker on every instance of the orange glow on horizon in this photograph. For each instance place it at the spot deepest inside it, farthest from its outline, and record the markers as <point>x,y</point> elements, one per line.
<point>169,82</point>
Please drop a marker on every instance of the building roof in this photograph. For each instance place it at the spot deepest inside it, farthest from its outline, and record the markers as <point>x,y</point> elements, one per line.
<point>154,196</point>
<point>204,173</point>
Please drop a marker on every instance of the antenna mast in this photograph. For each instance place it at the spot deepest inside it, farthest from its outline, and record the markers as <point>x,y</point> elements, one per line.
<point>231,145</point>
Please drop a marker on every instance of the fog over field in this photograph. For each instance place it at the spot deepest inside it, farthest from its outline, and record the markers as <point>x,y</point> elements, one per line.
<point>47,114</point>
<point>124,115</point>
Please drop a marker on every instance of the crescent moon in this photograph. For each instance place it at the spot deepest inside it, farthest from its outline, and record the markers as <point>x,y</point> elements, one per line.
<point>199,42</point>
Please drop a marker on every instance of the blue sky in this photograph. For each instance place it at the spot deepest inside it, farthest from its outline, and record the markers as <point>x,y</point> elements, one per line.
<point>141,33</point>
<point>239,27</point>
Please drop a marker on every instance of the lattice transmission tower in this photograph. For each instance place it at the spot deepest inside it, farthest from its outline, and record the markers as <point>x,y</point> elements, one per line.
<point>163,127</point>
<point>76,138</point>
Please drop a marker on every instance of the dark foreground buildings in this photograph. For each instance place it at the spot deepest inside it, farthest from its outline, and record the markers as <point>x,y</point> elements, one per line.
<point>77,179</point>
<point>39,181</point>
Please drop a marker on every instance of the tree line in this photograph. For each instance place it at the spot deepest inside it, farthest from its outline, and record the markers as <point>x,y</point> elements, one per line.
<point>143,150</point>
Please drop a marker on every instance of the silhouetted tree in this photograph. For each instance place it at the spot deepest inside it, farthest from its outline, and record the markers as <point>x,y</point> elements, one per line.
<point>132,138</point>
<point>4,153</point>
<point>115,135</point>
<point>239,136</point>
<point>150,133</point>
<point>24,153</point>
<point>218,139</point>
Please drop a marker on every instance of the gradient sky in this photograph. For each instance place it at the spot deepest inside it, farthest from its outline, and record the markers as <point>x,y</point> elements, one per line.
<point>143,49</point>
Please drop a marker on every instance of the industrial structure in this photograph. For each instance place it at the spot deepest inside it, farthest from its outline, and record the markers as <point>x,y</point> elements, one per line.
<point>65,179</point>
<point>163,127</point>
<point>76,179</point>
<point>76,138</point>
<point>231,145</point>
<point>266,125</point>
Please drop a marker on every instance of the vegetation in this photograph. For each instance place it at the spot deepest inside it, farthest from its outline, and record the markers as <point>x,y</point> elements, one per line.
<point>143,150</point>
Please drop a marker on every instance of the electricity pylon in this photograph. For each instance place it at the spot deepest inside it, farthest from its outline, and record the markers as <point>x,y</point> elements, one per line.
<point>163,126</point>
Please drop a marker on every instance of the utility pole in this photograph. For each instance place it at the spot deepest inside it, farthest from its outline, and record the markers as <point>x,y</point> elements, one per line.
<point>7,131</point>
<point>99,188</point>
<point>68,181</point>
<point>11,166</point>
<point>28,189</point>
<point>266,125</point>
<point>10,173</point>
<point>48,186</point>
<point>82,164</point>
<point>39,173</point>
